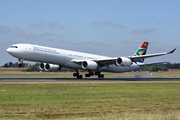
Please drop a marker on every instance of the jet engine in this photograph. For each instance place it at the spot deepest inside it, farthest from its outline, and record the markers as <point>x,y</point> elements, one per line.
<point>52,67</point>
<point>90,65</point>
<point>49,67</point>
<point>123,61</point>
<point>41,66</point>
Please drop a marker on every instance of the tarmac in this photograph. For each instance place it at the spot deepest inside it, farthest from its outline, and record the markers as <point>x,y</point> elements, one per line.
<point>84,80</point>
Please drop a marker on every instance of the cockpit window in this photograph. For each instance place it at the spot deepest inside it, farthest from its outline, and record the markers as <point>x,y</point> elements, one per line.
<point>14,47</point>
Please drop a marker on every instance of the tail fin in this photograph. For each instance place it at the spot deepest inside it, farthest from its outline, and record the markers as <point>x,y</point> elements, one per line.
<point>141,51</point>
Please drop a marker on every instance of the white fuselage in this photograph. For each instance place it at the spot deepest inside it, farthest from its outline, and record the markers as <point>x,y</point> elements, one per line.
<point>61,57</point>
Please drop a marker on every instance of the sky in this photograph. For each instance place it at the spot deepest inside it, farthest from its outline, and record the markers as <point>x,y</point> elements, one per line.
<point>105,27</point>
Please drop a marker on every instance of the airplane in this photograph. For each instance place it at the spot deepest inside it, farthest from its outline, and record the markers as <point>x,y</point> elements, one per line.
<point>53,59</point>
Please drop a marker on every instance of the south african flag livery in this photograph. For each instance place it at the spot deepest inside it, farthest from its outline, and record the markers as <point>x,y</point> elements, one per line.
<point>141,51</point>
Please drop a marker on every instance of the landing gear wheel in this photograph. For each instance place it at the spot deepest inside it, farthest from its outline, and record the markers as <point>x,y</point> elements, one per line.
<point>92,74</point>
<point>96,73</point>
<point>89,74</point>
<point>79,77</point>
<point>101,76</point>
<point>75,74</point>
<point>86,75</point>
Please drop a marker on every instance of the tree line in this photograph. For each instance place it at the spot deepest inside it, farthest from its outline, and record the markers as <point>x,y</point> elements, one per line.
<point>15,65</point>
<point>161,67</point>
<point>151,68</point>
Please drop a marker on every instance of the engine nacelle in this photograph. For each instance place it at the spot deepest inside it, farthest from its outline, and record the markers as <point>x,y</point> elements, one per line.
<point>52,67</point>
<point>123,61</point>
<point>90,65</point>
<point>49,67</point>
<point>41,66</point>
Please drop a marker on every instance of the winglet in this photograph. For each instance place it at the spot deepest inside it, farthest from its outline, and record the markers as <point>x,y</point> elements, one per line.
<point>172,51</point>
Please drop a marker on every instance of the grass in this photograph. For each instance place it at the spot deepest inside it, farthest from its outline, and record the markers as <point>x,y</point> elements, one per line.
<point>152,100</point>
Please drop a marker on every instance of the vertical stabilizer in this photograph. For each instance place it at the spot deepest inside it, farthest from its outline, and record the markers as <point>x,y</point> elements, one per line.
<point>141,51</point>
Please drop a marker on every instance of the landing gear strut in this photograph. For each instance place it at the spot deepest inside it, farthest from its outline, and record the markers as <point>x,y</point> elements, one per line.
<point>77,75</point>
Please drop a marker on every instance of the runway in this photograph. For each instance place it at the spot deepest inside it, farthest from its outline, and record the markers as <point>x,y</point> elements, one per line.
<point>73,80</point>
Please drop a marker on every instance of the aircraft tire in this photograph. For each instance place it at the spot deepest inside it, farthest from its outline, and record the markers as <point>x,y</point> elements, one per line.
<point>21,65</point>
<point>101,76</point>
<point>79,77</point>
<point>87,75</point>
<point>96,73</point>
<point>74,74</point>
<point>92,74</point>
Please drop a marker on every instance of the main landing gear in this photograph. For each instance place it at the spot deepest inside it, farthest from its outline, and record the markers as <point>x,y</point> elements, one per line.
<point>77,75</point>
<point>96,73</point>
<point>99,74</point>
<point>89,74</point>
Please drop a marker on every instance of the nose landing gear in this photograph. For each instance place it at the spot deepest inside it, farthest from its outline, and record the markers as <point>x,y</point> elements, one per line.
<point>21,64</point>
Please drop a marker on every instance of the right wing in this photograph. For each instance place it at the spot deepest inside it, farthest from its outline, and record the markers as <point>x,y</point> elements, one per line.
<point>109,61</point>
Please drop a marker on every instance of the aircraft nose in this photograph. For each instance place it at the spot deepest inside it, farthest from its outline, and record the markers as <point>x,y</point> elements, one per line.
<point>9,50</point>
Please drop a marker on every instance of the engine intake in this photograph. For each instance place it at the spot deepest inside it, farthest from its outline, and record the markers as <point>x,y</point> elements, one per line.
<point>90,65</point>
<point>123,61</point>
<point>41,66</point>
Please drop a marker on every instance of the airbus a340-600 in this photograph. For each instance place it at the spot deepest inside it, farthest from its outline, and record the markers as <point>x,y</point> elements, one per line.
<point>53,59</point>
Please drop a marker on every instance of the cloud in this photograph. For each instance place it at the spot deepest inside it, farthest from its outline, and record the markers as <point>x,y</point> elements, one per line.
<point>28,34</point>
<point>17,32</point>
<point>106,23</point>
<point>134,41</point>
<point>48,34</point>
<point>41,24</point>
<point>144,31</point>
<point>6,30</point>
<point>50,24</point>
<point>56,24</point>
